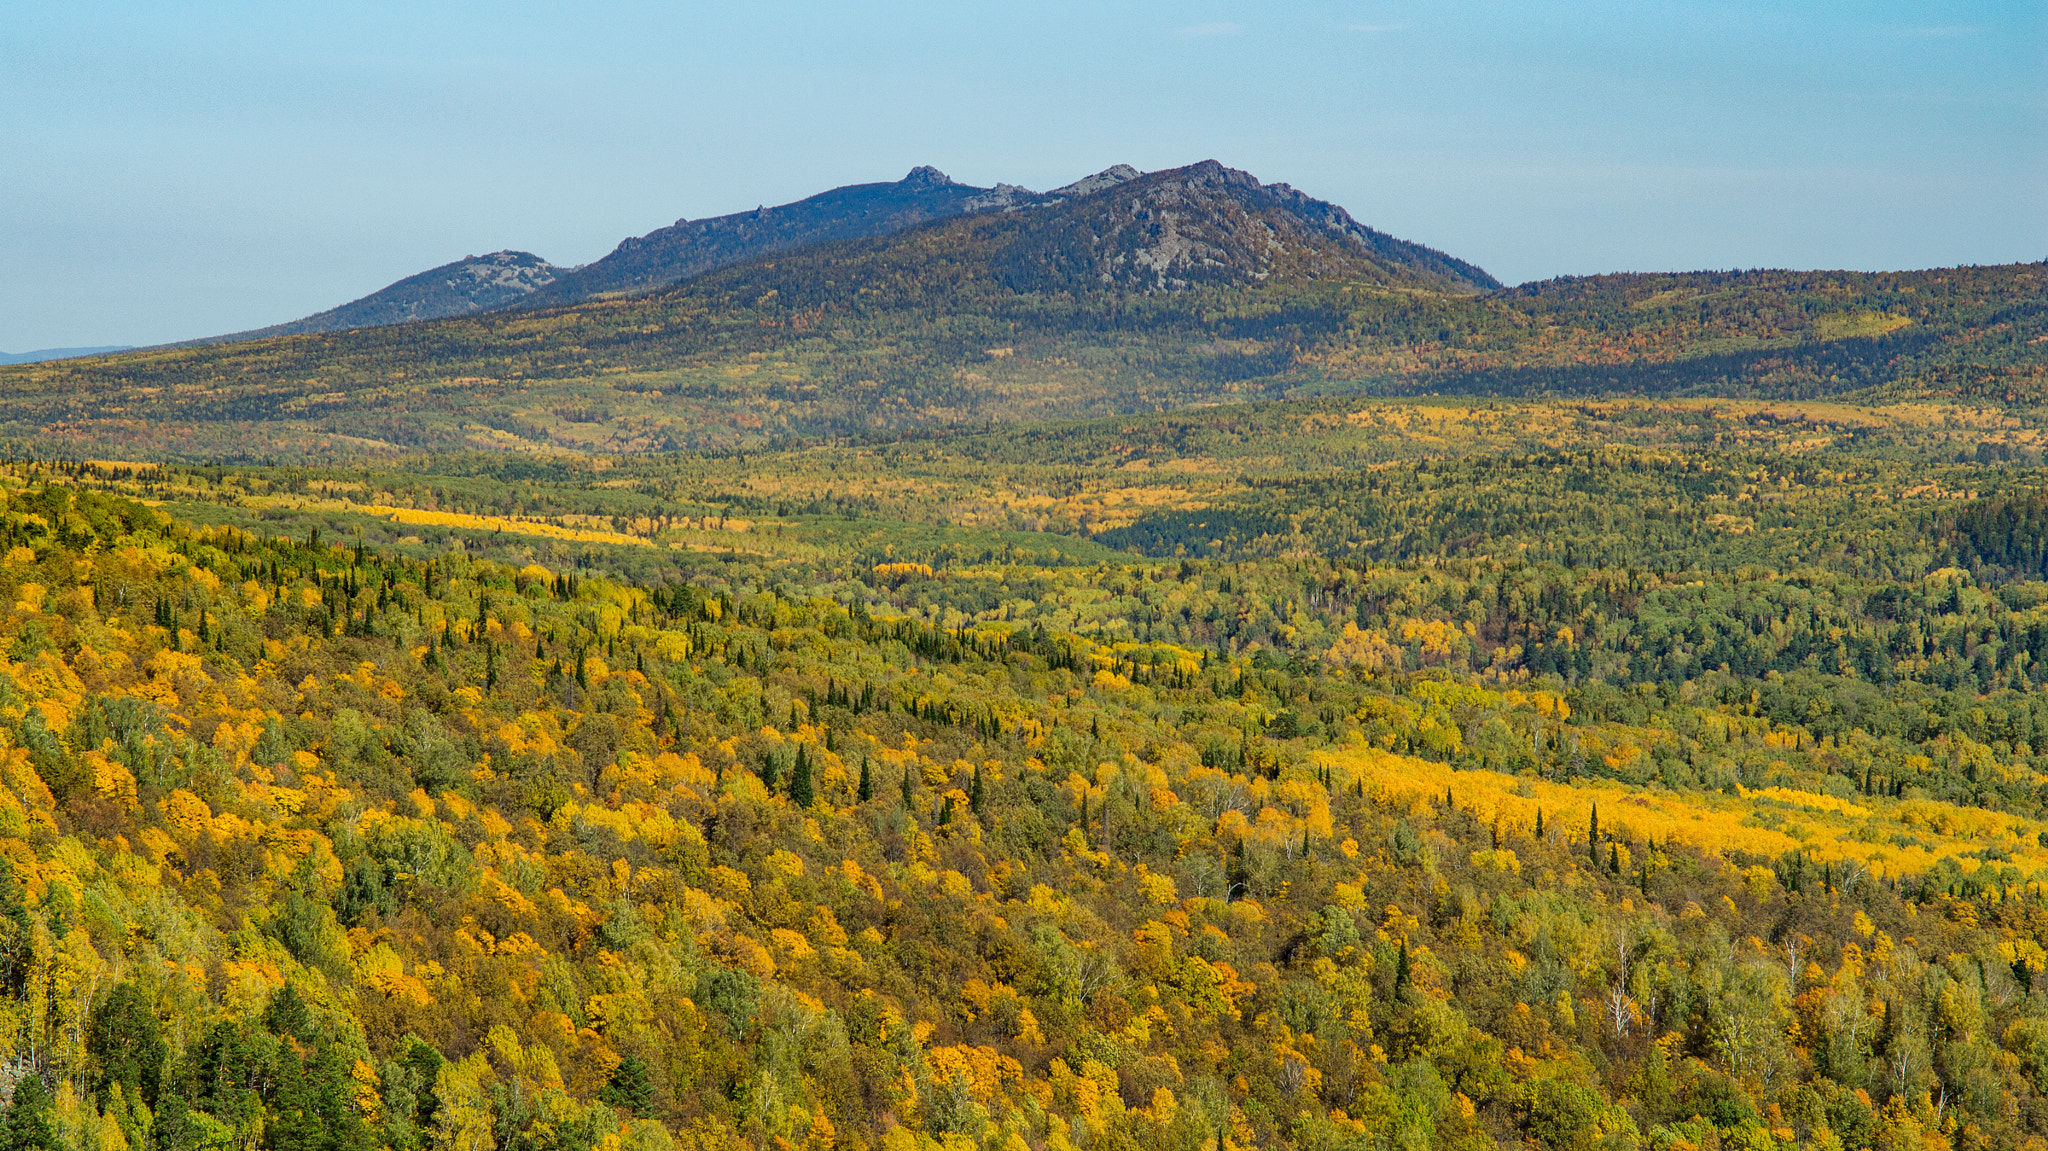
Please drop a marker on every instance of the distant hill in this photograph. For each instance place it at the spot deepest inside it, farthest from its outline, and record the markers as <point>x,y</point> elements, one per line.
<point>690,247</point>
<point>58,354</point>
<point>471,284</point>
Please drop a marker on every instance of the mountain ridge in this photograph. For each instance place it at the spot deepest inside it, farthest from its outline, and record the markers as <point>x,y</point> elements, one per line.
<point>1200,227</point>
<point>687,248</point>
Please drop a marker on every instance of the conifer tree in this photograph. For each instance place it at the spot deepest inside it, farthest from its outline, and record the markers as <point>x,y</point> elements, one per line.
<point>287,1014</point>
<point>29,1124</point>
<point>800,788</point>
<point>127,1047</point>
<point>629,1088</point>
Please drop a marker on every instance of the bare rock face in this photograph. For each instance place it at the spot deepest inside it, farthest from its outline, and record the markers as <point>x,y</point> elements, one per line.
<point>1101,181</point>
<point>1004,198</point>
<point>488,281</point>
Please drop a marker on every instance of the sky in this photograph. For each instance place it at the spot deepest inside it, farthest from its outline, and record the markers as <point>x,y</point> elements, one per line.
<point>170,171</point>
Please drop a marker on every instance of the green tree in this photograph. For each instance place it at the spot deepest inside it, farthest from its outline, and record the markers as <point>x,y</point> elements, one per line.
<point>629,1088</point>
<point>29,1124</point>
<point>125,1044</point>
<point>801,790</point>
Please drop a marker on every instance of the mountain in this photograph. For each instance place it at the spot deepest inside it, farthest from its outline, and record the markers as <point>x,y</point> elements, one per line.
<point>689,247</point>
<point>1196,285</point>
<point>42,354</point>
<point>1202,226</point>
<point>471,284</point>
<point>1178,227</point>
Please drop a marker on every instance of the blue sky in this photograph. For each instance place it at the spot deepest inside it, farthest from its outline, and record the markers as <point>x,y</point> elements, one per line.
<point>169,171</point>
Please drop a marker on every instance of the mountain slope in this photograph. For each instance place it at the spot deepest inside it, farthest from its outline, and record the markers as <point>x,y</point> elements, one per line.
<point>471,284</point>
<point>688,247</point>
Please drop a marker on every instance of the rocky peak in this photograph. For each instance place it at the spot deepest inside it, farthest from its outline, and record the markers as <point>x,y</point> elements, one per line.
<point>926,176</point>
<point>514,272</point>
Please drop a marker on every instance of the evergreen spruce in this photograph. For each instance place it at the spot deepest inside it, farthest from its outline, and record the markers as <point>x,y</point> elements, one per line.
<point>30,1124</point>
<point>629,1089</point>
<point>800,788</point>
<point>287,1014</point>
<point>126,1046</point>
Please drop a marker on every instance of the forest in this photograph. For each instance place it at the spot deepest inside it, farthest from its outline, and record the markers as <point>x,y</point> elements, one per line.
<point>1575,774</point>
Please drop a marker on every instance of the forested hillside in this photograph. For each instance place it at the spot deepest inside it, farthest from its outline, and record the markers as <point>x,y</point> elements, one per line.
<point>1681,791</point>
